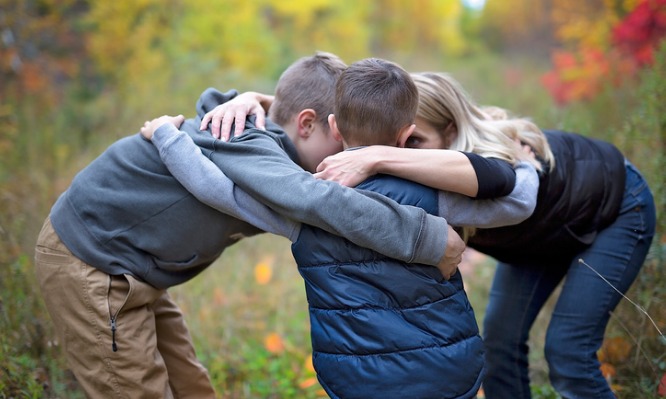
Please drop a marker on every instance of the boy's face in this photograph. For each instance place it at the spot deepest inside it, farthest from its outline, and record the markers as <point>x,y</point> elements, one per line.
<point>318,145</point>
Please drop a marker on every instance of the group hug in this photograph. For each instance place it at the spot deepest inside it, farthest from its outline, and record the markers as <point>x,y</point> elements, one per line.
<point>381,179</point>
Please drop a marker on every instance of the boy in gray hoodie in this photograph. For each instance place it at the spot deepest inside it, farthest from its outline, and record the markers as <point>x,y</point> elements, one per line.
<point>126,230</point>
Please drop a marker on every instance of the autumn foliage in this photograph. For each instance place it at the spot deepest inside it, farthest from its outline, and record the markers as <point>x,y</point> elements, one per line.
<point>612,59</point>
<point>75,75</point>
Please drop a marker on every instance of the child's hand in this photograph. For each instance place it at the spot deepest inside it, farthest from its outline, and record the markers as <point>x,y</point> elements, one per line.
<point>455,247</point>
<point>150,126</point>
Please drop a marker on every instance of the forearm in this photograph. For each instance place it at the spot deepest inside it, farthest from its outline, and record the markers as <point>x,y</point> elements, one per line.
<point>511,209</point>
<point>441,169</point>
<point>256,163</point>
<point>208,184</point>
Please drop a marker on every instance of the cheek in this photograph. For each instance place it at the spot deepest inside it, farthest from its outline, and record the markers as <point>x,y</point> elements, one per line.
<point>432,143</point>
<point>333,147</point>
<point>324,150</point>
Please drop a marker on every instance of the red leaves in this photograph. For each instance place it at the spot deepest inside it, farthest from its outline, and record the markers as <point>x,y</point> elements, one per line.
<point>640,32</point>
<point>581,75</point>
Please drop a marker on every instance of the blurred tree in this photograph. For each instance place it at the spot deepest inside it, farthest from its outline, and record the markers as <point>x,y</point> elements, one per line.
<point>141,43</point>
<point>431,25</point>
<point>519,25</point>
<point>39,46</point>
<point>538,26</point>
<point>605,51</point>
<point>41,51</point>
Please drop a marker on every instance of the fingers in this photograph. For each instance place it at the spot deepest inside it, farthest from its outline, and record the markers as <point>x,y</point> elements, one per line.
<point>260,120</point>
<point>206,119</point>
<point>178,120</point>
<point>239,122</point>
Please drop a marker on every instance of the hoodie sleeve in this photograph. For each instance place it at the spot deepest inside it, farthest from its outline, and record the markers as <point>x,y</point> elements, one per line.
<point>258,164</point>
<point>461,210</point>
<point>209,185</point>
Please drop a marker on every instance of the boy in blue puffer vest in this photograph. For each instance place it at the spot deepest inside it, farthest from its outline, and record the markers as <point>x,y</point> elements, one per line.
<point>380,327</point>
<point>395,329</point>
<point>428,323</point>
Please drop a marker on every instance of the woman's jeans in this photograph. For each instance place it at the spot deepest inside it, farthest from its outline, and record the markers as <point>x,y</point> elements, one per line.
<point>578,322</point>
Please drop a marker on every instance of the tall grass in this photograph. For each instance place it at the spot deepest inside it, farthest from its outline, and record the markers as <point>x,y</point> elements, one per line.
<point>252,334</point>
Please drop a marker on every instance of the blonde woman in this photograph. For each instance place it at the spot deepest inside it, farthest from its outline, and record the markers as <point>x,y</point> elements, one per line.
<point>593,206</point>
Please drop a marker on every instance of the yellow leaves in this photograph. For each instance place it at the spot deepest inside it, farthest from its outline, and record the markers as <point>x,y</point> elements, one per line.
<point>263,271</point>
<point>431,24</point>
<point>134,41</point>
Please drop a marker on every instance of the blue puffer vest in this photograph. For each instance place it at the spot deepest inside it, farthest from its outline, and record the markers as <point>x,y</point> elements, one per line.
<point>381,328</point>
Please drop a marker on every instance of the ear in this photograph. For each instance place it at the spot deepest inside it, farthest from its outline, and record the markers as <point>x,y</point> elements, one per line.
<point>450,134</point>
<point>404,134</point>
<point>305,122</point>
<point>334,128</point>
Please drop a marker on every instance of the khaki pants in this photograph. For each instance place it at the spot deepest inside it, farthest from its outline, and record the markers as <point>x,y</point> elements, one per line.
<point>155,356</point>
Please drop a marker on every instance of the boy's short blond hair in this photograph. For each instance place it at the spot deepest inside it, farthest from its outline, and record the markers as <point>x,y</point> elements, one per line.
<point>307,83</point>
<point>374,100</point>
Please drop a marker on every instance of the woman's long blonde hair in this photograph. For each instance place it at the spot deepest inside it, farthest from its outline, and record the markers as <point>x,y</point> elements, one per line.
<point>487,131</point>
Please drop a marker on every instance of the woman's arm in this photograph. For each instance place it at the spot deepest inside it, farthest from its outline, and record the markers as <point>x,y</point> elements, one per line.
<point>460,210</point>
<point>447,170</point>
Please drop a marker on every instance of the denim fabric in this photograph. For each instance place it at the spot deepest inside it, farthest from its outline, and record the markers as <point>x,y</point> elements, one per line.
<point>582,311</point>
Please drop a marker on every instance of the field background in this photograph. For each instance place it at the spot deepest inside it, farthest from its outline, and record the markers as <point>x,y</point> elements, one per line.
<point>77,75</point>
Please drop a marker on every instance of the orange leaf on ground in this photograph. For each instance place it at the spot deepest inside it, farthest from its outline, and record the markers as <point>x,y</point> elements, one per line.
<point>308,364</point>
<point>273,343</point>
<point>307,383</point>
<point>616,349</point>
<point>608,370</point>
<point>218,296</point>
<point>263,272</point>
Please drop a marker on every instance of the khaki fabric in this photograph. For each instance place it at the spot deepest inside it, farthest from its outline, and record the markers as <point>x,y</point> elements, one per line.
<point>155,356</point>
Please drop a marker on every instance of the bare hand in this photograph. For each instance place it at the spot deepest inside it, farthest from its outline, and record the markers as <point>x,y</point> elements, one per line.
<point>455,247</point>
<point>150,126</point>
<point>348,168</point>
<point>234,111</point>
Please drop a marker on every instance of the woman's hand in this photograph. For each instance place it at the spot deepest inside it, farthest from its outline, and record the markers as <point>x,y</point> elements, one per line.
<point>348,168</point>
<point>150,126</point>
<point>236,111</point>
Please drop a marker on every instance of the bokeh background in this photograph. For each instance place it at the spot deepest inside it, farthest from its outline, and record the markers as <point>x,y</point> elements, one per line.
<point>77,75</point>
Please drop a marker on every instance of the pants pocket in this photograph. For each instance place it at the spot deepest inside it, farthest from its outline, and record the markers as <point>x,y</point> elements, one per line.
<point>126,294</point>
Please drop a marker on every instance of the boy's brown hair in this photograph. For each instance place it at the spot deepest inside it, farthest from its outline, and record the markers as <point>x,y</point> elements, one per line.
<point>307,83</point>
<point>374,100</point>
